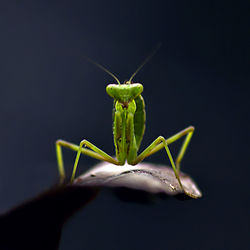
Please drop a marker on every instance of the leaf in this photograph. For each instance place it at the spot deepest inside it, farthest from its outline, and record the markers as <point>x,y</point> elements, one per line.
<point>144,176</point>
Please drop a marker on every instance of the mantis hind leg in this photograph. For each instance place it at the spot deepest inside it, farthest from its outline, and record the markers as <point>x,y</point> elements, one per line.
<point>95,153</point>
<point>189,133</point>
<point>161,143</point>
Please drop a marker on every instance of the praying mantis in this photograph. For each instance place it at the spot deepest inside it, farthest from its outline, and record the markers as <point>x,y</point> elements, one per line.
<point>128,130</point>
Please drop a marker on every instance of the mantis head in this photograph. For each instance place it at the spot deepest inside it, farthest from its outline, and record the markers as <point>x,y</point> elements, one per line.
<point>128,91</point>
<point>124,93</point>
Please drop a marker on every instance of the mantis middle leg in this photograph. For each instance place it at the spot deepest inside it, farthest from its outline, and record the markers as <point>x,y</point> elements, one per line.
<point>95,153</point>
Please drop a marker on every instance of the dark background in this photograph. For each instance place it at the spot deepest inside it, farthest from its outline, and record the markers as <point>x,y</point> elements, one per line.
<point>199,77</point>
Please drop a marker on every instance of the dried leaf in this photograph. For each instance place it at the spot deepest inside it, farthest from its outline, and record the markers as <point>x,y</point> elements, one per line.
<point>144,176</point>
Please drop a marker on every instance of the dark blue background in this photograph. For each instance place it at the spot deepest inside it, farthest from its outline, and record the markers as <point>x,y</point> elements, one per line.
<point>199,77</point>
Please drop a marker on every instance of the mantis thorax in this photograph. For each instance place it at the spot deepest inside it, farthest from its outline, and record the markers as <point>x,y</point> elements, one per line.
<point>130,106</point>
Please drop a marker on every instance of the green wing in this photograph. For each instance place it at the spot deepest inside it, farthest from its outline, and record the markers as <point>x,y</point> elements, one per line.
<point>113,111</point>
<point>113,117</point>
<point>139,120</point>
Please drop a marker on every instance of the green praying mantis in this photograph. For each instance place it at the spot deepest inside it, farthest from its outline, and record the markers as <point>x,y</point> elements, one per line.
<point>128,130</point>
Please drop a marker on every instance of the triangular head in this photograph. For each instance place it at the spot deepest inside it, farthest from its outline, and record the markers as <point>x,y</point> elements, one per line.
<point>124,93</point>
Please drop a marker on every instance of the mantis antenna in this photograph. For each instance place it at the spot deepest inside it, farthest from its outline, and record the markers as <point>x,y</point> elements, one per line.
<point>145,61</point>
<point>104,69</point>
